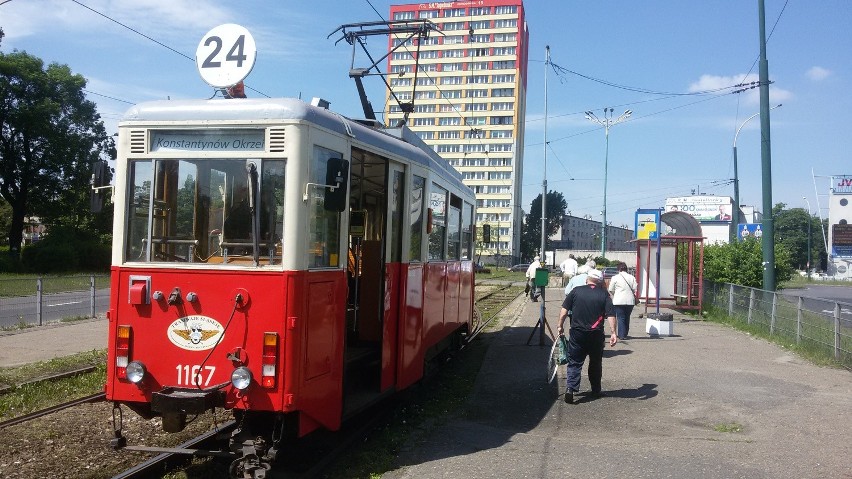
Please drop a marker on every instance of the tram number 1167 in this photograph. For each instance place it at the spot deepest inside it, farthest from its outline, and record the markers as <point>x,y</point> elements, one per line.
<point>193,375</point>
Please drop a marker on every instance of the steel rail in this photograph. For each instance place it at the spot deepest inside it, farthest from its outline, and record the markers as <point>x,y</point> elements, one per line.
<point>44,412</point>
<point>180,453</point>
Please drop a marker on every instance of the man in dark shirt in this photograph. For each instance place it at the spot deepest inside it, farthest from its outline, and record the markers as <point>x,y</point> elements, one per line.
<point>588,306</point>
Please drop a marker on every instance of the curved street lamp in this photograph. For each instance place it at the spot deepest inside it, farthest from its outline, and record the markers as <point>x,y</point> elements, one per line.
<point>736,213</point>
<point>606,122</point>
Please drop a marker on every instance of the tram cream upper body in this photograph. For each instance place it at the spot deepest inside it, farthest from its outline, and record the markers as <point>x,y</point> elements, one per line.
<point>289,129</point>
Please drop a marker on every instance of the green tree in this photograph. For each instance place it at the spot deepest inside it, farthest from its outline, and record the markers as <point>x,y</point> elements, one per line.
<point>741,263</point>
<point>791,230</point>
<point>50,138</point>
<point>531,230</point>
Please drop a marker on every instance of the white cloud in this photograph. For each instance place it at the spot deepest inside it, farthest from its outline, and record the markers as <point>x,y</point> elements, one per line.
<point>155,18</point>
<point>723,84</point>
<point>818,73</point>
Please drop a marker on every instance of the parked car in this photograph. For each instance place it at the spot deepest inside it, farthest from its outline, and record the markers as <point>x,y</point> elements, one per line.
<point>519,267</point>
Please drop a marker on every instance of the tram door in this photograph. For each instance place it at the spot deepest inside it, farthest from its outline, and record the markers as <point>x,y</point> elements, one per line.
<point>366,279</point>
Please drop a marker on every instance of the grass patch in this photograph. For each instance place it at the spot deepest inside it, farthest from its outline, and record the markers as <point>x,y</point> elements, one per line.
<point>39,395</point>
<point>728,427</point>
<point>813,351</point>
<point>501,274</point>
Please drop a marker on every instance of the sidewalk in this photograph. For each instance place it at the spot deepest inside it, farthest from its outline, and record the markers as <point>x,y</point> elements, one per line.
<point>42,343</point>
<point>670,405</point>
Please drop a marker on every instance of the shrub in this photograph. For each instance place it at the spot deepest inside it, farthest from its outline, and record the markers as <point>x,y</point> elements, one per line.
<point>66,249</point>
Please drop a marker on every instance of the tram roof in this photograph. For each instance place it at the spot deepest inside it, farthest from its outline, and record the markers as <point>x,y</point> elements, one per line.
<point>247,109</point>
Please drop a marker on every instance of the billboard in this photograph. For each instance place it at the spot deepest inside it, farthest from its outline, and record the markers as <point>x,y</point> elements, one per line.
<point>841,242</point>
<point>841,184</point>
<point>703,208</point>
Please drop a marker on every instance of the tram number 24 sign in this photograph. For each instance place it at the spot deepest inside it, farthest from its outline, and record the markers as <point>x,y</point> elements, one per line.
<point>225,55</point>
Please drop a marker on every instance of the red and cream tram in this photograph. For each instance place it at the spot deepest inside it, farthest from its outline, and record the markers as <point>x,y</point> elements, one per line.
<point>280,260</point>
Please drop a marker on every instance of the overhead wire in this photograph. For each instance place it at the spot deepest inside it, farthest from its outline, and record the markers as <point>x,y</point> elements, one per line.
<point>151,38</point>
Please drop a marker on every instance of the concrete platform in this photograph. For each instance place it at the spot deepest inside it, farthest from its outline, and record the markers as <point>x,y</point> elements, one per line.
<point>707,402</point>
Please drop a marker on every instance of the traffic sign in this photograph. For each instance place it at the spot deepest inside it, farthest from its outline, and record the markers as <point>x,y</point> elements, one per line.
<point>225,55</point>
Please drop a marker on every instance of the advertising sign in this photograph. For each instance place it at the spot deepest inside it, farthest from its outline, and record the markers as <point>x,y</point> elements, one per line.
<point>751,230</point>
<point>703,208</point>
<point>841,241</point>
<point>841,184</point>
<point>647,222</point>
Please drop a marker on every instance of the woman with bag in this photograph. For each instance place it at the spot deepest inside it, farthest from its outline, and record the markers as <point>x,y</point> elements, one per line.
<point>623,287</point>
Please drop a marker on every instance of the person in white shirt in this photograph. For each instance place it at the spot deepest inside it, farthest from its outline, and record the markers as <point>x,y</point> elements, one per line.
<point>533,290</point>
<point>623,288</point>
<point>569,269</point>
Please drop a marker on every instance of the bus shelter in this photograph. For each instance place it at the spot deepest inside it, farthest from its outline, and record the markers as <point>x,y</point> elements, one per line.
<point>670,267</point>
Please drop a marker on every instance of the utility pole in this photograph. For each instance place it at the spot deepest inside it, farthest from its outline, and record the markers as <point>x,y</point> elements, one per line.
<point>768,239</point>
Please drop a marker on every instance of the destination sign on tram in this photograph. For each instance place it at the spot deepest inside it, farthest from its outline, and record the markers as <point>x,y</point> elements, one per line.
<point>212,141</point>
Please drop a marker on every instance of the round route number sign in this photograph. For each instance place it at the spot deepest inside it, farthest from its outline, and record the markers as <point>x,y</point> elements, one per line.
<point>225,55</point>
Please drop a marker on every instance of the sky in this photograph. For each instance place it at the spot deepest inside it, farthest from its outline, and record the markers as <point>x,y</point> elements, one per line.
<point>658,58</point>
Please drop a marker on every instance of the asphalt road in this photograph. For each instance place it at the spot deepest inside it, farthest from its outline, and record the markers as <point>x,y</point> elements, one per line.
<point>821,299</point>
<point>23,309</point>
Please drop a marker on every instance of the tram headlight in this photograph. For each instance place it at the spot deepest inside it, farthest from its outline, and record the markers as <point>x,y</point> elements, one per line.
<point>241,378</point>
<point>135,372</point>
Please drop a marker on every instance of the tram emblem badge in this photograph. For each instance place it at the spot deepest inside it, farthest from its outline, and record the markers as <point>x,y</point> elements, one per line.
<point>195,333</point>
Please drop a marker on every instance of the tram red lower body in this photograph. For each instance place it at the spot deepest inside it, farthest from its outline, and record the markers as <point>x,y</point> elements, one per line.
<point>422,304</point>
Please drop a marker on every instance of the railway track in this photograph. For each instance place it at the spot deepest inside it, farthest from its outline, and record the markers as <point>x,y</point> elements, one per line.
<point>59,407</point>
<point>490,305</point>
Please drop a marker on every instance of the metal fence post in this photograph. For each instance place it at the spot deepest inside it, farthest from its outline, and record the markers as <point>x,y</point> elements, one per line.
<point>799,321</point>
<point>92,296</point>
<point>39,287</point>
<point>772,317</point>
<point>750,304</point>
<point>731,301</point>
<point>836,330</point>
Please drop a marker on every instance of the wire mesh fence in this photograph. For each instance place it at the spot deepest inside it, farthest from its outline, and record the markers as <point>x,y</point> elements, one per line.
<point>33,301</point>
<point>817,324</point>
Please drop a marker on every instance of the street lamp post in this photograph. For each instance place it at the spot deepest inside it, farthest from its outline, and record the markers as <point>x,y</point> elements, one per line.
<point>606,122</point>
<point>810,220</point>
<point>736,213</point>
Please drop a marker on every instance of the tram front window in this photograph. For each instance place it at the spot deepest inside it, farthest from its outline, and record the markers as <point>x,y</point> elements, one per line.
<point>201,211</point>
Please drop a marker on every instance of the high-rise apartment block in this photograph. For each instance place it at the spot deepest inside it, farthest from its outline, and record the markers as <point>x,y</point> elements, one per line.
<point>469,102</point>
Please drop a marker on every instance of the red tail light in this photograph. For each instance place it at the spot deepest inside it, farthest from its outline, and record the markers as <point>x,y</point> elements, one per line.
<point>269,360</point>
<point>122,350</point>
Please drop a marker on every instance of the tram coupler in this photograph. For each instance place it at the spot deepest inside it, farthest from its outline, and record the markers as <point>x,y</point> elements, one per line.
<point>250,465</point>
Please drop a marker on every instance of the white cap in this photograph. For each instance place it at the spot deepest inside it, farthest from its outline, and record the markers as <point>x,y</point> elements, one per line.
<point>595,274</point>
<point>537,257</point>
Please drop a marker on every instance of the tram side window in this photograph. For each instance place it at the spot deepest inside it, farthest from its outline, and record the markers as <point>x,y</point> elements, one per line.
<point>454,229</point>
<point>323,225</point>
<point>437,238</point>
<point>467,230</point>
<point>418,187</point>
